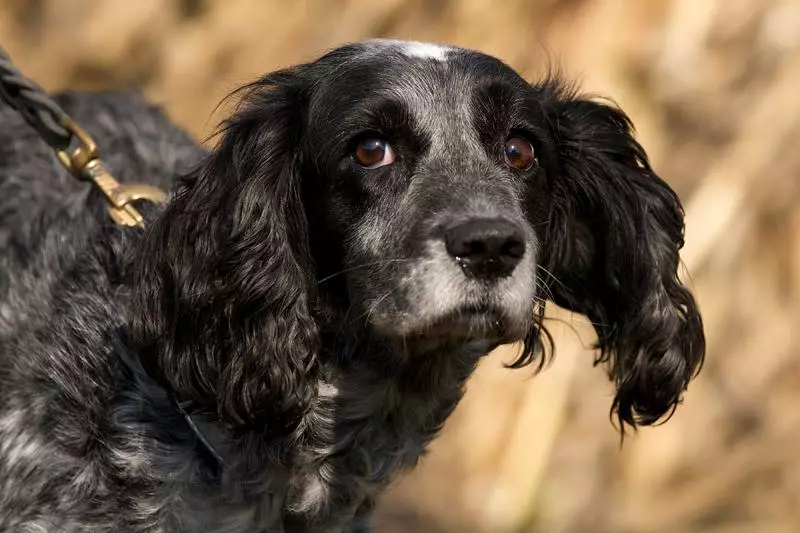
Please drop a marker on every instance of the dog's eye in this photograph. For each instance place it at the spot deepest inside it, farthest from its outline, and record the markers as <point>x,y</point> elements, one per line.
<point>519,153</point>
<point>373,153</point>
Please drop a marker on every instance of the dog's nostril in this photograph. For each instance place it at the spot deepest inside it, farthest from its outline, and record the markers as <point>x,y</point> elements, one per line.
<point>475,248</point>
<point>514,248</point>
<point>486,248</point>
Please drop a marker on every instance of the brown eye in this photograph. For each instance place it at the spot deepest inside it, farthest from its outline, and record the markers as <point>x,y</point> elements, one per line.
<point>373,153</point>
<point>519,153</point>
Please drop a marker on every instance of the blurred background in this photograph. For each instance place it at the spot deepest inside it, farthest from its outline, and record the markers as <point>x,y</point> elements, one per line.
<point>713,87</point>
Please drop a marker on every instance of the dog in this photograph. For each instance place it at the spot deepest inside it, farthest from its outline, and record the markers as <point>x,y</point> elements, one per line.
<point>294,326</point>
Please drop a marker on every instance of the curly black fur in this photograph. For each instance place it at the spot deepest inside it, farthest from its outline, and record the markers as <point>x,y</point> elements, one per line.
<point>290,330</point>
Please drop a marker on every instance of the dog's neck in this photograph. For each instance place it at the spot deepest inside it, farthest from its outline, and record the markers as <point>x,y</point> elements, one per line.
<point>376,411</point>
<point>375,414</point>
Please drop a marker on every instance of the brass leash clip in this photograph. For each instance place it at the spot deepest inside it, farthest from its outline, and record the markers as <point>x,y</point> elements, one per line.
<point>85,164</point>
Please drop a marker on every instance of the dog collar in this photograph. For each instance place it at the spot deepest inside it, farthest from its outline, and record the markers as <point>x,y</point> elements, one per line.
<point>201,429</point>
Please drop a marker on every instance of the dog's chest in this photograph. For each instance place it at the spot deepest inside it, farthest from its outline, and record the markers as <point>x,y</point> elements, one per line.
<point>337,490</point>
<point>358,438</point>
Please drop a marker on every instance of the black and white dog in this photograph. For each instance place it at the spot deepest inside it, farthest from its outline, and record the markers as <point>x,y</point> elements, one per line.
<point>297,323</point>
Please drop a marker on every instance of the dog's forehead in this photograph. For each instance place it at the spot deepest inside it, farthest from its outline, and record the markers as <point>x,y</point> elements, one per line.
<point>421,75</point>
<point>436,85</point>
<point>386,60</point>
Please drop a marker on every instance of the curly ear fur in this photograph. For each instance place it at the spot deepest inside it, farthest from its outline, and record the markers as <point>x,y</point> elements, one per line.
<point>612,240</point>
<point>226,294</point>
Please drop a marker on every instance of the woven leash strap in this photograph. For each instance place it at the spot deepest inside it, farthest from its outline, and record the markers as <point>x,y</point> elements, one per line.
<point>59,131</point>
<point>30,100</point>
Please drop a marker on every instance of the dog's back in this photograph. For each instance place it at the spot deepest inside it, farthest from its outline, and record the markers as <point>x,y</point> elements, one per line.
<point>55,296</point>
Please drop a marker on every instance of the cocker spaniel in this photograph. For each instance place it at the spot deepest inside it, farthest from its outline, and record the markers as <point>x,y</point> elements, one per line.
<point>296,324</point>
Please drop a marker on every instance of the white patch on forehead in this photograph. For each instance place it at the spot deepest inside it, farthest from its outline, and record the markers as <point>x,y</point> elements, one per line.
<point>426,50</point>
<point>327,390</point>
<point>417,49</point>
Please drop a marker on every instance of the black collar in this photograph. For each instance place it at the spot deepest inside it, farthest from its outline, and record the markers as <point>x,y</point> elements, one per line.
<point>201,428</point>
<point>210,439</point>
<point>195,425</point>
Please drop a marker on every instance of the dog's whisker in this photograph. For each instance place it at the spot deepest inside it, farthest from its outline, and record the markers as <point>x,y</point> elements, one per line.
<point>552,276</point>
<point>576,317</point>
<point>540,283</point>
<point>363,265</point>
<point>374,306</point>
<point>543,223</point>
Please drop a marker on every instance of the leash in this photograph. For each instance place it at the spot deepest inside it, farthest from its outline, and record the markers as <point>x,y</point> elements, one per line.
<point>60,132</point>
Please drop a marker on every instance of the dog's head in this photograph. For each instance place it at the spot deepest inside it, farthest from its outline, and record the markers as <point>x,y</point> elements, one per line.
<point>417,162</point>
<point>423,194</point>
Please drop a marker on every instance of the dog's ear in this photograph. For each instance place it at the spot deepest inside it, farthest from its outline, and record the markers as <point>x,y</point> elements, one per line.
<point>225,277</point>
<point>613,231</point>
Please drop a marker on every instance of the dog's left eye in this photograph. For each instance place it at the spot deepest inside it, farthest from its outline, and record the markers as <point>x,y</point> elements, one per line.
<point>373,153</point>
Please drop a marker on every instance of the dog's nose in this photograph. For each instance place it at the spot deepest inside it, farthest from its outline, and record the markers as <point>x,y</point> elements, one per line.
<point>486,248</point>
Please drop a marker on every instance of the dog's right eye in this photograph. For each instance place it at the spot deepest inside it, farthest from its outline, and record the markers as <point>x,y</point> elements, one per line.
<point>373,153</point>
<point>519,153</point>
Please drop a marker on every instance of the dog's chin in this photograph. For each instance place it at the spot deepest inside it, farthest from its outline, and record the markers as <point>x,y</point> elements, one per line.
<point>479,325</point>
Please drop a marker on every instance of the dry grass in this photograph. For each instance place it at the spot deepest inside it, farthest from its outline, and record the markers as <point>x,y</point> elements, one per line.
<point>713,88</point>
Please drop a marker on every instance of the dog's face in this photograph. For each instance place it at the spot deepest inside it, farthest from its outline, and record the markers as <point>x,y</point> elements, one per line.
<point>417,162</point>
<point>424,194</point>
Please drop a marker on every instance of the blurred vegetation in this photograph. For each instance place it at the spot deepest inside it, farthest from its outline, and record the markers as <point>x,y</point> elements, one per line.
<point>713,88</point>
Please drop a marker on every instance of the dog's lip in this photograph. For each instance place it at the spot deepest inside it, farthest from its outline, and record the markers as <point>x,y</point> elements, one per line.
<point>481,319</point>
<point>472,321</point>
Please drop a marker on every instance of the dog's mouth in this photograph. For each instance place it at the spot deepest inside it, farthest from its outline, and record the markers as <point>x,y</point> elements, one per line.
<point>480,321</point>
